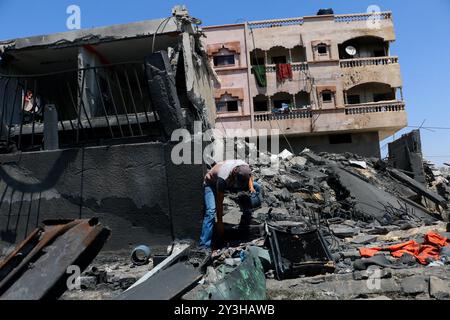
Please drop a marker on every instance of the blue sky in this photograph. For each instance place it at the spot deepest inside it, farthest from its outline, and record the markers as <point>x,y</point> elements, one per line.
<point>422,28</point>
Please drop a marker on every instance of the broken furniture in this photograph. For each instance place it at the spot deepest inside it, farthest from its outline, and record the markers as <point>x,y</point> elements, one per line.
<point>39,267</point>
<point>296,252</point>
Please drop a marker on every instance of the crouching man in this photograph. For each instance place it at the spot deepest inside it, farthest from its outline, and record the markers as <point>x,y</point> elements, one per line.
<point>229,175</point>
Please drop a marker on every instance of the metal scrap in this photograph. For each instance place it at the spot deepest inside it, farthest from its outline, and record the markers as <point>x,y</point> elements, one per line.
<point>38,267</point>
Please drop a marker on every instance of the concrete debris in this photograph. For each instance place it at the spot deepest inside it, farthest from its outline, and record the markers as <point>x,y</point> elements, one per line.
<point>285,155</point>
<point>360,164</point>
<point>303,242</point>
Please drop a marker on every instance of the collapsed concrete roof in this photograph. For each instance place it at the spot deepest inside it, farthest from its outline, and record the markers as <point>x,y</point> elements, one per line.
<point>95,35</point>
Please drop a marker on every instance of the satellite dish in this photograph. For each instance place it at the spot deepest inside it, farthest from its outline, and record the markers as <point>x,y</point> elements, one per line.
<point>351,50</point>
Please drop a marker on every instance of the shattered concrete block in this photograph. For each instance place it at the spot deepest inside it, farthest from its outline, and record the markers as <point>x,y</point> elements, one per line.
<point>351,254</point>
<point>414,284</point>
<point>269,173</point>
<point>298,161</point>
<point>342,231</point>
<point>284,195</point>
<point>364,239</point>
<point>315,159</point>
<point>358,164</point>
<point>285,155</point>
<point>290,182</point>
<point>439,289</point>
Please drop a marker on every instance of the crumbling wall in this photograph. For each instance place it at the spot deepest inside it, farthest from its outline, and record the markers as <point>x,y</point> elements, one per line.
<point>405,154</point>
<point>134,189</point>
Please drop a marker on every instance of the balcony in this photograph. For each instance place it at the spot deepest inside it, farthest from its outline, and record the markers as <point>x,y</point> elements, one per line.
<point>275,23</point>
<point>363,16</point>
<point>297,114</point>
<point>337,18</point>
<point>364,62</point>
<point>296,66</point>
<point>375,107</point>
<point>384,117</point>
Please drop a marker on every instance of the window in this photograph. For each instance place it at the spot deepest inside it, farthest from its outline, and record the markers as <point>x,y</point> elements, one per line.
<point>227,106</point>
<point>353,99</point>
<point>279,103</point>
<point>327,96</point>
<point>225,60</point>
<point>258,61</point>
<point>279,59</point>
<point>322,49</point>
<point>340,138</point>
<point>260,106</point>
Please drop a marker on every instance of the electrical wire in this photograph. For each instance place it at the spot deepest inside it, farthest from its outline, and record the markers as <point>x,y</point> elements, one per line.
<point>166,21</point>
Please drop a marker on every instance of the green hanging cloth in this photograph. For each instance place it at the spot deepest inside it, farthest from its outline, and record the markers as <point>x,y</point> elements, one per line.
<point>260,75</point>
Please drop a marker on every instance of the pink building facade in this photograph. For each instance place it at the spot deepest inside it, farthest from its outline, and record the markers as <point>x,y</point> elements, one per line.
<point>327,82</point>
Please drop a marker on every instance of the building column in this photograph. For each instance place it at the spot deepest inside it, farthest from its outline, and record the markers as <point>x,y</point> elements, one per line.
<point>266,61</point>
<point>269,103</point>
<point>290,55</point>
<point>294,102</point>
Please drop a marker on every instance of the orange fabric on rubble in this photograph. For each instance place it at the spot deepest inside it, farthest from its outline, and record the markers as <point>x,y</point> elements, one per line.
<point>433,242</point>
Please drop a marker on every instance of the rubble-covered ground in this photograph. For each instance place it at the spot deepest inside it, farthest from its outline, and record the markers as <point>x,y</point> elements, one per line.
<point>354,202</point>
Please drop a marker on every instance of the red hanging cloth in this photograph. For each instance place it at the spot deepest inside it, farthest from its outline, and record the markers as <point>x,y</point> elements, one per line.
<point>284,71</point>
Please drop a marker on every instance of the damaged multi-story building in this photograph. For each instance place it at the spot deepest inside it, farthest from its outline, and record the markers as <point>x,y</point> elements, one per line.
<point>327,82</point>
<point>86,120</point>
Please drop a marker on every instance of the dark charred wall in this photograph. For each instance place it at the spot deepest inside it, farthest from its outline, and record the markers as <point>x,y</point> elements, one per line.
<point>405,154</point>
<point>134,189</point>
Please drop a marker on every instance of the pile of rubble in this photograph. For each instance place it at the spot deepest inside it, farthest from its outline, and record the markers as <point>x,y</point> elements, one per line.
<point>306,241</point>
<point>330,226</point>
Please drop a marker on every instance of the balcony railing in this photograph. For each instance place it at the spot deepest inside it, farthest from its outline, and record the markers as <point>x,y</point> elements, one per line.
<point>374,107</point>
<point>297,114</point>
<point>363,62</point>
<point>275,23</point>
<point>296,66</point>
<point>363,16</point>
<point>93,105</point>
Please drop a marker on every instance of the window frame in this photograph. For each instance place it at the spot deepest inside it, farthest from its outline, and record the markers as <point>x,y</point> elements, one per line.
<point>224,56</point>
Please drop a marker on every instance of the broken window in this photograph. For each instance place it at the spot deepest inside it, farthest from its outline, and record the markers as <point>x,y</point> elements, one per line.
<point>353,99</point>
<point>327,96</point>
<point>340,138</point>
<point>279,60</point>
<point>225,60</point>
